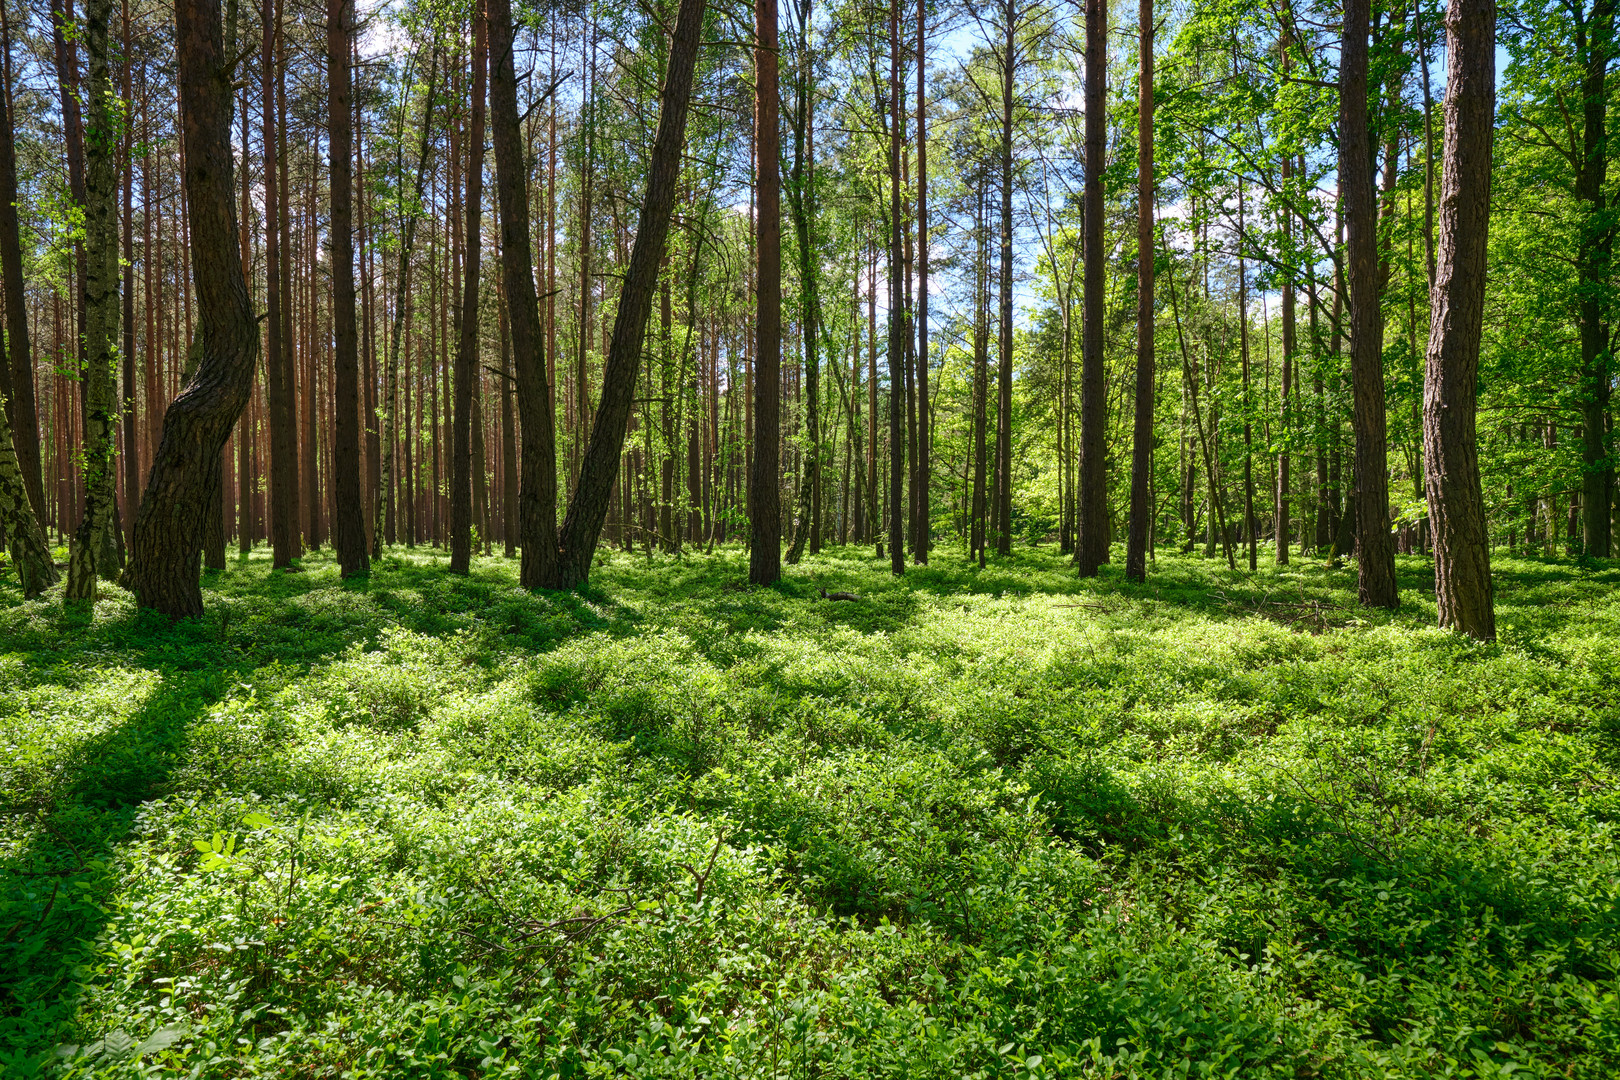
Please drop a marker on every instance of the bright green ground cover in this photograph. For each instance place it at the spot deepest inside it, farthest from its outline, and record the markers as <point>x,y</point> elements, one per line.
<point>982,824</point>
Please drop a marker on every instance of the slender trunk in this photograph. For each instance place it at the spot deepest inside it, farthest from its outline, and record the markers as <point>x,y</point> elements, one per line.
<point>588,509</point>
<point>17,374</point>
<point>1001,514</point>
<point>924,420</point>
<point>461,466</point>
<point>897,327</point>
<point>1142,436</point>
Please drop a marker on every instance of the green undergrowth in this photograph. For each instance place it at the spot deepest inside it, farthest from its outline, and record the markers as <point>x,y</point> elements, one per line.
<point>996,823</point>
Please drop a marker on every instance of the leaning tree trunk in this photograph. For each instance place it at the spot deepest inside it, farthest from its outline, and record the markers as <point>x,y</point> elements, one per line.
<point>1142,436</point>
<point>30,553</point>
<point>101,317</point>
<point>1375,555</point>
<point>163,569</point>
<point>1092,549</point>
<point>576,542</point>
<point>461,460</point>
<point>348,516</point>
<point>384,517</point>
<point>537,497</point>
<point>1462,558</point>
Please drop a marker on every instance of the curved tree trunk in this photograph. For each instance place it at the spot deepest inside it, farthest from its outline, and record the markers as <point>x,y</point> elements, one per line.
<point>185,470</point>
<point>383,521</point>
<point>576,542</point>
<point>30,553</point>
<point>1462,559</point>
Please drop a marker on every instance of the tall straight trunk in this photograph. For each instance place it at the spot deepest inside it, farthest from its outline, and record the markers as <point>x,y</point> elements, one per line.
<point>168,528</point>
<point>1249,524</point>
<point>509,463</point>
<point>765,544</point>
<point>86,561</point>
<point>1092,549</point>
<point>801,197</point>
<point>1142,435</point>
<point>874,512</point>
<point>461,492</point>
<point>924,421</point>
<point>1462,566</point>
<point>576,542</point>
<point>1595,50</point>
<point>287,472</point>
<point>1290,341</point>
<point>17,376</point>
<point>586,188</point>
<point>349,538</point>
<point>132,460</point>
<point>981,380</point>
<point>1001,513</point>
<point>1375,556</point>
<point>897,327</point>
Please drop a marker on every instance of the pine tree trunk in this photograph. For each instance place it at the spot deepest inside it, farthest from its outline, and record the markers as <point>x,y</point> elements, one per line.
<point>1092,549</point>
<point>1462,568</point>
<point>461,465</point>
<point>588,508</point>
<point>1375,556</point>
<point>1142,436</point>
<point>87,560</point>
<point>765,517</point>
<point>17,381</point>
<point>185,471</point>
<point>349,538</point>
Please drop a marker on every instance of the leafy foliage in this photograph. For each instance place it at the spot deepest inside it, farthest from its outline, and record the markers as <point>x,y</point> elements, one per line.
<point>997,823</point>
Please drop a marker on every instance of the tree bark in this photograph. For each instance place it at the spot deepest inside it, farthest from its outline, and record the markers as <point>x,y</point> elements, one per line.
<point>22,410</point>
<point>1146,368</point>
<point>1375,555</point>
<point>897,326</point>
<point>169,525</point>
<point>461,464</point>
<point>924,421</point>
<point>765,544</point>
<point>1092,549</point>
<point>1593,265</point>
<point>1462,566</point>
<point>576,542</point>
<point>1001,513</point>
<point>349,538</point>
<point>87,559</point>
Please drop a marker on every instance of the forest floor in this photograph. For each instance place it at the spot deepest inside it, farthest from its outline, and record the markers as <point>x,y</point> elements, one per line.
<point>974,823</point>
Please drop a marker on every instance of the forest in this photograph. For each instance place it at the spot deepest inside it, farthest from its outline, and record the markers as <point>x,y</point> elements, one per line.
<point>976,538</point>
